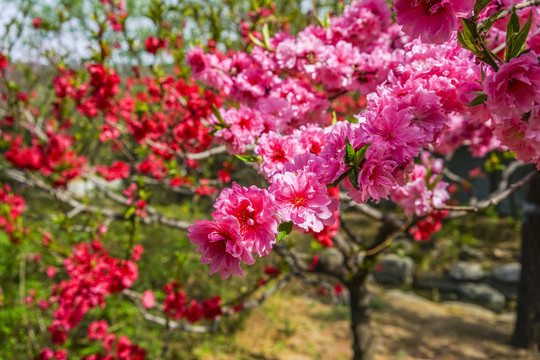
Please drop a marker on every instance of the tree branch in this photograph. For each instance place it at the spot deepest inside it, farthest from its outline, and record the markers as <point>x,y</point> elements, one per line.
<point>136,298</point>
<point>493,199</point>
<point>69,198</point>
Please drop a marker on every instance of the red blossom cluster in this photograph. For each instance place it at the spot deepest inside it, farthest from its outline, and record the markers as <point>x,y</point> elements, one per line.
<point>3,62</point>
<point>425,227</point>
<point>93,275</point>
<point>48,354</point>
<point>11,207</point>
<point>118,170</point>
<point>123,350</point>
<point>153,44</point>
<point>116,15</point>
<point>176,305</point>
<point>53,157</point>
<point>116,349</point>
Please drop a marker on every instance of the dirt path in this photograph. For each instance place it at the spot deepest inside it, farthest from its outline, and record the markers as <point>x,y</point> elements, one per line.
<point>407,327</point>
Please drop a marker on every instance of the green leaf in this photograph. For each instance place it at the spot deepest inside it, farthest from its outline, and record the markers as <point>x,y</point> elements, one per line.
<point>361,154</point>
<point>353,178</point>
<point>222,123</point>
<point>464,42</point>
<point>141,107</point>
<point>12,85</point>
<point>486,24</point>
<point>480,99</point>
<point>282,235</point>
<point>130,211</point>
<point>469,37</point>
<point>334,118</point>
<point>429,172</point>
<point>284,230</point>
<point>248,158</point>
<point>479,6</point>
<point>326,22</point>
<point>511,29</point>
<point>266,36</point>
<point>286,226</point>
<point>471,26</point>
<point>518,40</point>
<point>349,153</point>
<point>256,41</point>
<point>513,24</point>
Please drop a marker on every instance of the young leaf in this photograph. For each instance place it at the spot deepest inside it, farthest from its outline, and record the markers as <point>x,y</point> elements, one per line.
<point>282,235</point>
<point>286,226</point>
<point>284,230</point>
<point>130,211</point>
<point>349,152</point>
<point>519,39</point>
<point>480,99</point>
<point>513,23</point>
<point>361,154</point>
<point>479,6</point>
<point>467,39</point>
<point>266,36</point>
<point>486,24</point>
<point>248,158</point>
<point>511,29</point>
<point>464,42</point>
<point>429,171</point>
<point>218,116</point>
<point>353,178</point>
<point>471,26</point>
<point>334,118</point>
<point>256,41</point>
<point>324,22</point>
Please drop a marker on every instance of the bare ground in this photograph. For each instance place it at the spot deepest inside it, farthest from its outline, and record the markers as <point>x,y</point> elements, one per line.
<point>292,327</point>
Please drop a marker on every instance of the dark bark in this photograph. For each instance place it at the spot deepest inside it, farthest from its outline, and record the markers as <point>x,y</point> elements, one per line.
<point>360,299</point>
<point>527,328</point>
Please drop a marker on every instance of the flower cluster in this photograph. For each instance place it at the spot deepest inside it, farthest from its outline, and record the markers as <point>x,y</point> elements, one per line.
<point>93,275</point>
<point>244,223</point>
<point>513,99</point>
<point>11,207</point>
<point>355,52</point>
<point>420,103</point>
<point>54,158</point>
<point>123,350</point>
<point>425,227</point>
<point>49,354</point>
<point>176,305</point>
<point>425,191</point>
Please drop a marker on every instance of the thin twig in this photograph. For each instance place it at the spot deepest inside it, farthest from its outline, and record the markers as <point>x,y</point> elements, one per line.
<point>493,199</point>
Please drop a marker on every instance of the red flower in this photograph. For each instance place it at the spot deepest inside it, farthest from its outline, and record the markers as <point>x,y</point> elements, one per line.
<point>148,299</point>
<point>338,289</point>
<point>118,170</point>
<point>153,44</point>
<point>36,22</point>
<point>194,313</point>
<point>272,271</point>
<point>97,330</point>
<point>212,308</point>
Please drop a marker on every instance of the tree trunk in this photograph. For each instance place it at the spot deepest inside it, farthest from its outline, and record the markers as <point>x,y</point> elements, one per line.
<point>360,299</point>
<point>527,328</point>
